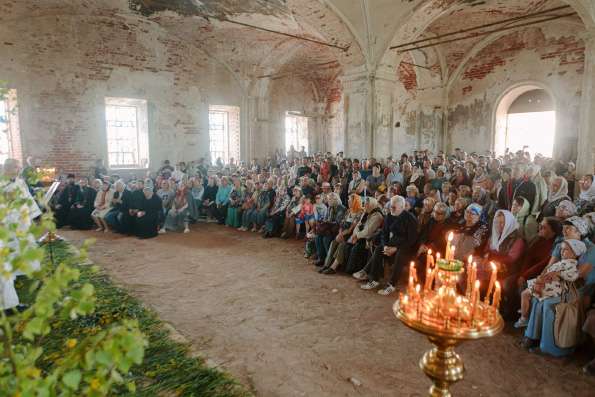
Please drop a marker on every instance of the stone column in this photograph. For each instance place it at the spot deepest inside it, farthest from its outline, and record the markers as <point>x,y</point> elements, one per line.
<point>357,107</point>
<point>383,120</point>
<point>317,129</point>
<point>586,133</point>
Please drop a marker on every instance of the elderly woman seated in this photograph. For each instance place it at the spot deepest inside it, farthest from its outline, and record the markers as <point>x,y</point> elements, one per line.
<point>177,217</point>
<point>354,251</point>
<point>558,191</point>
<point>102,205</point>
<point>505,249</point>
<point>398,241</point>
<point>432,234</point>
<point>328,227</point>
<point>472,236</point>
<point>276,216</point>
<point>335,255</point>
<point>357,246</point>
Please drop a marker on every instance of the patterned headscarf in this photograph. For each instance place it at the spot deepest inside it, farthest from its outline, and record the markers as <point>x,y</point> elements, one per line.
<point>577,246</point>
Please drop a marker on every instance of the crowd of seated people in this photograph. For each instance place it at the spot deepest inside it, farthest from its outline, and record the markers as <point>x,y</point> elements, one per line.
<point>370,218</point>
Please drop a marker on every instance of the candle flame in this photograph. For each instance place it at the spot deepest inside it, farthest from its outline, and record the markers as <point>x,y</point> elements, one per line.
<point>477,284</point>
<point>470,259</point>
<point>437,256</point>
<point>459,300</point>
<point>497,284</point>
<point>450,236</point>
<point>494,267</point>
<point>429,252</point>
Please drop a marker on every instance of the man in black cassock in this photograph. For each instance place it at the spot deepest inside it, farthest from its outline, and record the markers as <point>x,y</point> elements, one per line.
<point>147,218</point>
<point>79,216</point>
<point>66,201</point>
<point>133,203</point>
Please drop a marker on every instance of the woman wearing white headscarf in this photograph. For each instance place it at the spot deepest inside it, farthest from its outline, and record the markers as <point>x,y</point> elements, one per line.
<point>505,248</point>
<point>586,199</point>
<point>541,189</point>
<point>558,191</point>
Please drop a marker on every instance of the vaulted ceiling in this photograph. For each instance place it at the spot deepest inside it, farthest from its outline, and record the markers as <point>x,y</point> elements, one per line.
<point>341,34</point>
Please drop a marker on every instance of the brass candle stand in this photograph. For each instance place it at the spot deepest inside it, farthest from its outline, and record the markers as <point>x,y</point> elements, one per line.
<point>448,318</point>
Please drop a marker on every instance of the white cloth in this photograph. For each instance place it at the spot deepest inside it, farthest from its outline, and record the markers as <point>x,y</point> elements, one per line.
<point>20,184</point>
<point>510,225</point>
<point>17,223</point>
<point>8,294</point>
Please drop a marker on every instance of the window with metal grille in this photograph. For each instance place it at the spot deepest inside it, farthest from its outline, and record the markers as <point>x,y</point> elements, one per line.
<point>219,135</point>
<point>127,133</point>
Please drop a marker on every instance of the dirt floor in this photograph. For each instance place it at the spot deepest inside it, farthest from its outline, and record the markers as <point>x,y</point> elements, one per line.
<point>256,308</point>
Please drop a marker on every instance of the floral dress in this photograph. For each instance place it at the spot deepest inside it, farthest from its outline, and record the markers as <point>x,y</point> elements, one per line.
<point>568,272</point>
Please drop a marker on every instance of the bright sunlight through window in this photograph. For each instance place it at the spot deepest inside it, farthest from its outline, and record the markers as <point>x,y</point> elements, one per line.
<point>535,130</point>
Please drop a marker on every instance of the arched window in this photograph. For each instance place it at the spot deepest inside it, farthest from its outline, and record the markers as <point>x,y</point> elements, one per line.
<point>296,132</point>
<point>526,119</point>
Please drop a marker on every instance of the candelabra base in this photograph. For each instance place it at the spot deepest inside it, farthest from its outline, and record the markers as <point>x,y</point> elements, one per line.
<point>442,365</point>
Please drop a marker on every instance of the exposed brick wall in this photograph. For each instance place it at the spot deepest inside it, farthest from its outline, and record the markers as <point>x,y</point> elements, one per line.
<point>565,50</point>
<point>407,74</point>
<point>65,67</point>
<point>552,55</point>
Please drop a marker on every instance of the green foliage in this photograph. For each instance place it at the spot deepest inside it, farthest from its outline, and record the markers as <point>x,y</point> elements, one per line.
<point>90,364</point>
<point>167,366</point>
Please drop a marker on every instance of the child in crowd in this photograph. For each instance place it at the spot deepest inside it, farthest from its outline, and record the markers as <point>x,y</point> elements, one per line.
<point>306,216</point>
<point>549,284</point>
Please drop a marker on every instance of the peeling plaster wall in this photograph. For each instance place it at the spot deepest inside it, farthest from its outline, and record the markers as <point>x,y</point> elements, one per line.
<point>65,66</point>
<point>418,109</point>
<point>552,55</point>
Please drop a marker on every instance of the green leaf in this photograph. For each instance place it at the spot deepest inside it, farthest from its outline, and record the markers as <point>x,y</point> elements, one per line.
<point>72,379</point>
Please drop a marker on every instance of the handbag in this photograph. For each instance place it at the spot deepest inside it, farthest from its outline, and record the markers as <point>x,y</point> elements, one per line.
<point>568,318</point>
<point>327,229</point>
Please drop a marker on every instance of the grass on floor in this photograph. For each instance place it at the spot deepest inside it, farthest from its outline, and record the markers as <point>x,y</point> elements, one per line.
<point>167,368</point>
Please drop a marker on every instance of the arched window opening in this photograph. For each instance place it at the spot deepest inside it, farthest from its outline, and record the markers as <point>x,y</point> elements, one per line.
<point>526,119</point>
<point>296,132</point>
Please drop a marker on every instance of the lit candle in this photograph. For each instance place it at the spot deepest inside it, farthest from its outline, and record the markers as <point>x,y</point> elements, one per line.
<point>474,299</point>
<point>404,302</point>
<point>458,302</point>
<point>452,253</point>
<point>473,277</point>
<point>429,279</point>
<point>448,241</point>
<point>417,291</point>
<point>410,286</point>
<point>492,281</point>
<point>428,259</point>
<point>496,298</point>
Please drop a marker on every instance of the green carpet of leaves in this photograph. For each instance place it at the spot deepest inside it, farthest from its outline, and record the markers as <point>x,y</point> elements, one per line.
<point>167,368</point>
